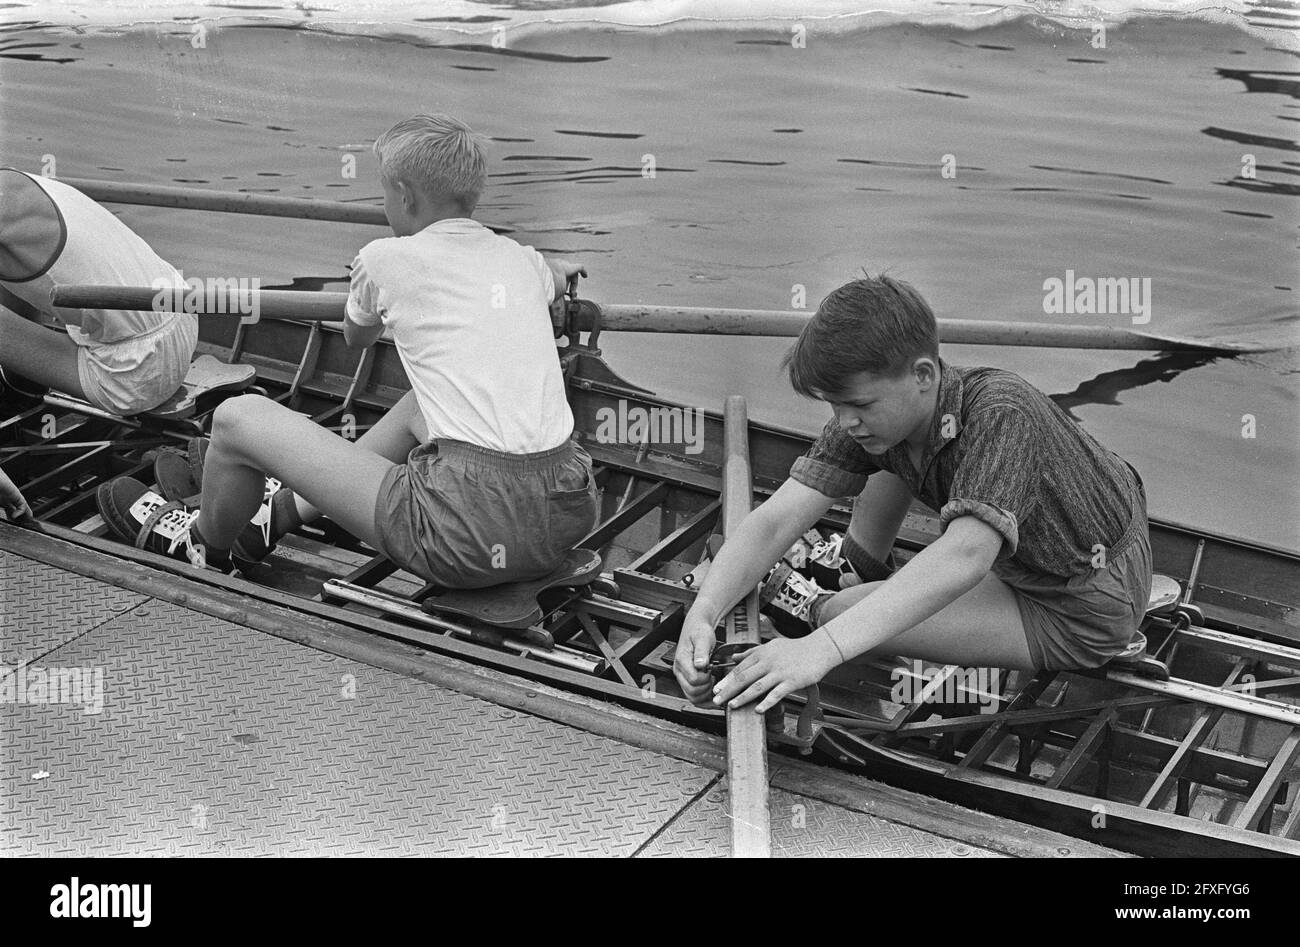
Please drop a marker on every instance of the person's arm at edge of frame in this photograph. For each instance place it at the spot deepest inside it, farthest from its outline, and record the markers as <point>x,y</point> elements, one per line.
<point>12,503</point>
<point>362,319</point>
<point>935,577</point>
<point>762,538</point>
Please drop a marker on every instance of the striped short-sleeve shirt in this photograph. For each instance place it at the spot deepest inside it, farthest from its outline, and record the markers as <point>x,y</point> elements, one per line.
<point>1002,451</point>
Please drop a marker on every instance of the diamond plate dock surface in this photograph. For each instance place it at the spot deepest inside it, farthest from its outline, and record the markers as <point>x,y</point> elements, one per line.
<point>802,827</point>
<point>218,740</point>
<point>42,607</point>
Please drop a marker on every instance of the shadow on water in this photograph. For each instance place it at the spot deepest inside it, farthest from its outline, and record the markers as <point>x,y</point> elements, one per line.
<point>1106,387</point>
<point>314,284</point>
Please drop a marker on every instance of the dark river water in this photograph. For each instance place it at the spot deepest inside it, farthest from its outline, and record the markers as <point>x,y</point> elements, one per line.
<point>776,167</point>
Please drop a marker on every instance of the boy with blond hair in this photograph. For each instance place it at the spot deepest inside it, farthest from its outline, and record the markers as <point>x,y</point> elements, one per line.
<point>472,479</point>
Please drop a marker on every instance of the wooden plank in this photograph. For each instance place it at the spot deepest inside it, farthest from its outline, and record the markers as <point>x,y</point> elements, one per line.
<point>603,645</point>
<point>1197,693</point>
<point>1291,828</point>
<point>1210,766</point>
<point>1022,718</point>
<point>1197,734</point>
<point>1266,791</point>
<point>625,517</point>
<point>751,831</point>
<point>652,591</point>
<point>978,754</point>
<point>1081,753</point>
<point>1223,642</point>
<point>672,544</point>
<point>633,651</point>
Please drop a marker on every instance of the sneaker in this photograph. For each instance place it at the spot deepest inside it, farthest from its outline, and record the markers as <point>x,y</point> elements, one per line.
<point>149,521</point>
<point>196,451</point>
<point>181,478</point>
<point>790,600</point>
<point>171,472</point>
<point>254,544</point>
<point>827,565</point>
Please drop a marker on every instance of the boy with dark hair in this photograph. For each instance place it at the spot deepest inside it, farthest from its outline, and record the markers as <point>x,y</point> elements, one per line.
<point>1044,560</point>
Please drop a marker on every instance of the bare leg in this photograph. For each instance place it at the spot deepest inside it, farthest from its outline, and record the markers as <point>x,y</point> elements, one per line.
<point>400,429</point>
<point>30,349</point>
<point>254,437</point>
<point>983,628</point>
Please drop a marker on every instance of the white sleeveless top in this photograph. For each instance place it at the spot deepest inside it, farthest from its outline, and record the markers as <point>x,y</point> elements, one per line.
<point>52,230</point>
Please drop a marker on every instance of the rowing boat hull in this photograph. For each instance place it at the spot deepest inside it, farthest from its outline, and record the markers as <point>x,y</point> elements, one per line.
<point>660,506</point>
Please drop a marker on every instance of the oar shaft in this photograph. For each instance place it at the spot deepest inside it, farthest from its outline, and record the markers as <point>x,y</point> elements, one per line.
<point>759,322</point>
<point>230,202</point>
<point>328,307</point>
<point>751,832</point>
<point>271,303</point>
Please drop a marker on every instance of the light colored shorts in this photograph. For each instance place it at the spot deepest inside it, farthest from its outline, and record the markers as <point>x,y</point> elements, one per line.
<point>463,516</point>
<point>1085,620</point>
<point>140,372</point>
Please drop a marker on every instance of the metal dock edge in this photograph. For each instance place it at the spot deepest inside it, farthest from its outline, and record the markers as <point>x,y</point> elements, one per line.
<point>218,740</point>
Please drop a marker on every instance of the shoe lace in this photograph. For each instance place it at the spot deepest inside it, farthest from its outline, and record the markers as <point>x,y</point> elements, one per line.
<point>263,517</point>
<point>176,518</point>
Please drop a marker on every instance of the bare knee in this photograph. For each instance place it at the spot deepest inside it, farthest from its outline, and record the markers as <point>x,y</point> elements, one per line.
<point>237,421</point>
<point>842,601</point>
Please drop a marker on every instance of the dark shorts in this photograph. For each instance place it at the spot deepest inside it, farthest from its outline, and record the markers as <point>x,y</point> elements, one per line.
<point>464,516</point>
<point>1085,620</point>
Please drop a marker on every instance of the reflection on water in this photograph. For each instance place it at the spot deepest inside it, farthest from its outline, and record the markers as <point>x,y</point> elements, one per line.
<point>1106,387</point>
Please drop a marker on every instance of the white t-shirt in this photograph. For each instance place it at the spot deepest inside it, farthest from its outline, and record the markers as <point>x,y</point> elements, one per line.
<point>99,249</point>
<point>469,313</point>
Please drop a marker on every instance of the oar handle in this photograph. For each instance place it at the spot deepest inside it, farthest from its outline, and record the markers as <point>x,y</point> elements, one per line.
<point>203,298</point>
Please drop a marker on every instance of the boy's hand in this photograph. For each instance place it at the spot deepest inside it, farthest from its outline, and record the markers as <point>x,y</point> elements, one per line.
<point>11,501</point>
<point>691,662</point>
<point>776,669</point>
<point>561,270</point>
<point>568,268</point>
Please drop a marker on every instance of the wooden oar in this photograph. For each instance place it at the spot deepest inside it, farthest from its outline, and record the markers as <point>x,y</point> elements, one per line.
<point>229,202</point>
<point>668,319</point>
<point>751,827</point>
<point>758,322</point>
<point>328,307</point>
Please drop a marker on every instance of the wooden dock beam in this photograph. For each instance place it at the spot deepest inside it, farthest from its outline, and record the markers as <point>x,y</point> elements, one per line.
<point>751,832</point>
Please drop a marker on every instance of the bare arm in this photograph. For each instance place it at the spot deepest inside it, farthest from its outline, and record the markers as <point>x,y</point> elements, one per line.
<point>359,336</point>
<point>941,573</point>
<point>763,537</point>
<point>11,501</point>
<point>952,565</point>
<point>561,270</point>
<point>878,513</point>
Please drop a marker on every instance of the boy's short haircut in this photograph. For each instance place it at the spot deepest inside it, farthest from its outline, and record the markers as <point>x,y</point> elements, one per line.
<point>437,153</point>
<point>879,325</point>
